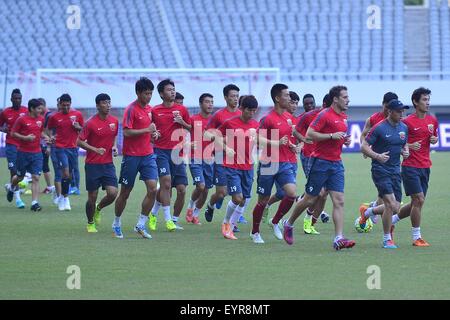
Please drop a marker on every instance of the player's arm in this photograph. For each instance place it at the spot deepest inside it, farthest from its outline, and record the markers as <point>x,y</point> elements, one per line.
<point>127,132</point>
<point>87,146</point>
<point>367,150</point>
<point>220,141</point>
<point>366,129</point>
<point>15,134</point>
<point>263,141</point>
<point>319,136</point>
<point>183,120</point>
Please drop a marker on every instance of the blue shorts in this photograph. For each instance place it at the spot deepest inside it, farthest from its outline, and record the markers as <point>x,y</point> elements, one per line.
<point>131,165</point>
<point>325,174</point>
<point>415,180</point>
<point>239,182</point>
<point>166,166</point>
<point>67,158</point>
<point>11,157</point>
<point>45,158</point>
<point>220,176</point>
<point>56,166</point>
<point>388,183</point>
<point>202,173</point>
<point>306,164</point>
<point>29,162</point>
<point>281,173</point>
<point>280,192</point>
<point>97,175</point>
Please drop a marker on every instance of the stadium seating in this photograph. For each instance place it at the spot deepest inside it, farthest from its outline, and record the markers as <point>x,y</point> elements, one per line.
<point>307,36</point>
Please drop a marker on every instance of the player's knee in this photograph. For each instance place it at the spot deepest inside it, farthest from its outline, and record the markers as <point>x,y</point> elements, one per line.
<point>200,187</point>
<point>181,190</point>
<point>124,193</point>
<point>418,201</point>
<point>112,193</point>
<point>35,178</point>
<point>238,199</point>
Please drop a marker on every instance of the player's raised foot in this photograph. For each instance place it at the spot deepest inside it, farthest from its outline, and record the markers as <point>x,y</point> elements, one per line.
<point>91,228</point>
<point>389,244</point>
<point>209,213</point>
<point>178,226</point>
<point>242,220</point>
<point>276,230</point>
<point>97,215</point>
<point>117,232</point>
<point>189,215</point>
<point>36,207</point>
<point>256,237</point>
<point>308,228</point>
<point>196,221</point>
<point>142,232</point>
<point>171,226</point>
<point>288,233</point>
<point>362,218</point>
<point>420,243</point>
<point>325,217</point>
<point>219,204</point>
<point>20,204</point>
<point>265,215</point>
<point>152,220</point>
<point>343,244</point>
<point>67,206</point>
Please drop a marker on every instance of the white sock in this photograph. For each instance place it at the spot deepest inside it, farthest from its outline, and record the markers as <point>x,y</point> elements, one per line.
<point>192,204</point>
<point>369,213</point>
<point>175,219</point>
<point>155,208</point>
<point>142,220</point>
<point>338,237</point>
<point>33,202</point>
<point>247,202</point>
<point>237,214</point>
<point>167,215</point>
<point>196,212</point>
<point>387,237</point>
<point>117,222</point>
<point>416,233</point>
<point>17,195</point>
<point>230,210</point>
<point>395,219</point>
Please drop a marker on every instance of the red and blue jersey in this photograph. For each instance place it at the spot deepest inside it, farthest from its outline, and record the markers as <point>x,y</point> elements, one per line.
<point>8,117</point>
<point>100,133</point>
<point>137,117</point>
<point>420,130</point>
<point>329,121</point>
<point>172,133</point>
<point>219,117</point>
<point>26,125</point>
<point>65,132</point>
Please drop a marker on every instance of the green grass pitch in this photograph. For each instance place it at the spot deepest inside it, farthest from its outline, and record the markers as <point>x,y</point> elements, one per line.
<point>198,263</point>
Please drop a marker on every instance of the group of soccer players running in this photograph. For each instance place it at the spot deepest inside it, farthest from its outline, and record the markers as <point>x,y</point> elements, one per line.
<point>221,152</point>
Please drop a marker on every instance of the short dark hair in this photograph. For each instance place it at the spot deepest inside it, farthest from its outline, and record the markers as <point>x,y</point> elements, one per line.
<point>327,101</point>
<point>308,95</point>
<point>388,96</point>
<point>144,84</point>
<point>249,102</point>
<point>179,96</point>
<point>294,96</point>
<point>163,84</point>
<point>65,98</point>
<point>335,92</point>
<point>276,90</point>
<point>204,96</point>
<point>42,100</point>
<point>16,91</point>
<point>102,97</point>
<point>33,104</point>
<point>228,88</point>
<point>240,99</point>
<point>415,97</point>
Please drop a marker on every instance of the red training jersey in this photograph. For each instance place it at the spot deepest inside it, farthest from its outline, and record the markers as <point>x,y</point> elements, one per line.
<point>328,121</point>
<point>219,117</point>
<point>420,130</point>
<point>305,120</point>
<point>137,117</point>
<point>172,133</point>
<point>100,133</point>
<point>9,117</point>
<point>274,126</point>
<point>26,125</point>
<point>241,137</point>
<point>376,118</point>
<point>65,132</point>
<point>199,124</point>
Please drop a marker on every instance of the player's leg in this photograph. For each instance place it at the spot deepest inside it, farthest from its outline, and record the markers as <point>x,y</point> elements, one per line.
<point>179,181</point>
<point>35,168</point>
<point>65,178</point>
<point>220,181</point>
<point>90,209</point>
<point>234,188</point>
<point>390,206</point>
<point>106,175</point>
<point>286,178</point>
<point>11,157</point>
<point>20,168</point>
